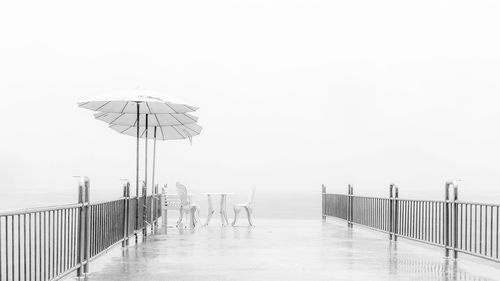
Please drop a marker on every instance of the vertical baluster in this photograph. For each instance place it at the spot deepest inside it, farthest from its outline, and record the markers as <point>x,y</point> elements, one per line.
<point>1,272</point>
<point>24,248</point>
<point>491,231</point>
<point>480,229</point>
<point>7,247</point>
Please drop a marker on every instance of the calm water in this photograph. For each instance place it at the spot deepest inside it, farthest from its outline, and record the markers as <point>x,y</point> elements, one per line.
<point>295,204</point>
<point>267,204</point>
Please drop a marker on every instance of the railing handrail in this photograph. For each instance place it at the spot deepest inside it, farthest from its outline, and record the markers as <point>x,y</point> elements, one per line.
<point>23,211</point>
<point>420,200</point>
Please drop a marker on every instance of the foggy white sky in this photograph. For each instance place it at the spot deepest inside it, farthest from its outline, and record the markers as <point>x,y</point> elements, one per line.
<point>293,94</point>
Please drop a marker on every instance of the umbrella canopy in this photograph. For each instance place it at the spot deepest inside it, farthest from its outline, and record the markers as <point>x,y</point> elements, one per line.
<point>125,101</point>
<point>176,132</point>
<point>154,120</point>
<point>139,102</point>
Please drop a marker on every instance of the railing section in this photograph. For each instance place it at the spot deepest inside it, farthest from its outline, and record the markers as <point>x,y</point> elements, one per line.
<point>49,243</point>
<point>457,226</point>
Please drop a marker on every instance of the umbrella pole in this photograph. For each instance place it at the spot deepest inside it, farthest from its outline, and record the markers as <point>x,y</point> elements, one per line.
<point>154,160</point>
<point>137,156</point>
<point>153,189</point>
<point>146,156</point>
<point>145,202</point>
<point>137,175</point>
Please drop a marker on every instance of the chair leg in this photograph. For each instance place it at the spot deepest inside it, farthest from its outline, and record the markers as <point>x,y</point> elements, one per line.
<point>192,212</point>
<point>249,215</point>
<point>236,212</point>
<point>181,216</point>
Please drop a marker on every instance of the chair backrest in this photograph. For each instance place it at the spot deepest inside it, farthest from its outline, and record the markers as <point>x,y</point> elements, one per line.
<point>170,201</point>
<point>251,196</point>
<point>182,192</point>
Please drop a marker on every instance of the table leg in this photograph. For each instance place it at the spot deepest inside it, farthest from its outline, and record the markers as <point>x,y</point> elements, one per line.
<point>223,211</point>
<point>210,209</point>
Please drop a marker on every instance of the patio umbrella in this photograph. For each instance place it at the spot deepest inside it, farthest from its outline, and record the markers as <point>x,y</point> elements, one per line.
<point>137,101</point>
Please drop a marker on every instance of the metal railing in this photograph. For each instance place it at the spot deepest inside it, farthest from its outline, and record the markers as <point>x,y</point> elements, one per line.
<point>457,226</point>
<point>49,243</point>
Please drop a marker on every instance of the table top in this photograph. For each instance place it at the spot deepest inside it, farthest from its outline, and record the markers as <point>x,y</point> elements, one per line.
<point>218,193</point>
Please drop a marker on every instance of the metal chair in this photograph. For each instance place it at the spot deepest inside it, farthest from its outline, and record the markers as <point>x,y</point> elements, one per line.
<point>247,206</point>
<point>168,202</point>
<point>187,207</point>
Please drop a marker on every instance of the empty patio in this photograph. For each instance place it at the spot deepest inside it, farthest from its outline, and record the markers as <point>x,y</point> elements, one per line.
<point>283,250</point>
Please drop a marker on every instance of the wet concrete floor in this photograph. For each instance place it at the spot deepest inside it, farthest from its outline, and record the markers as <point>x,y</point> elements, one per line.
<point>283,250</point>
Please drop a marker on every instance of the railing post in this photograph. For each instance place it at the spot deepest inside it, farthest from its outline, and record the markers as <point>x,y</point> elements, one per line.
<point>83,227</point>
<point>144,210</point>
<point>323,202</point>
<point>446,219</point>
<point>126,195</point>
<point>155,209</point>
<point>395,212</point>
<point>350,192</point>
<point>87,227</point>
<point>391,195</point>
<point>163,207</point>
<point>455,220</point>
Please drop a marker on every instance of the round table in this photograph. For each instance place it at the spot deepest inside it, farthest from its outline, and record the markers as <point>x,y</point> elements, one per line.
<point>223,205</point>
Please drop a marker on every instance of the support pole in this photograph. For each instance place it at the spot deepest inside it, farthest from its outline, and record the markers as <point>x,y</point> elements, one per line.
<point>396,213</point>
<point>164,207</point>
<point>137,151</point>
<point>323,202</point>
<point>126,202</point>
<point>391,195</point>
<point>393,211</point>
<point>83,250</point>
<point>87,227</point>
<point>446,220</point>
<point>144,210</point>
<point>154,192</point>
<point>137,176</point>
<point>455,220</point>
<point>146,154</point>
<point>350,192</point>
<point>154,159</point>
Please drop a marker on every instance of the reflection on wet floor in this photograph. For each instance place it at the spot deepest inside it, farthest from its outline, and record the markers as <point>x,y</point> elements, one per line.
<point>283,250</point>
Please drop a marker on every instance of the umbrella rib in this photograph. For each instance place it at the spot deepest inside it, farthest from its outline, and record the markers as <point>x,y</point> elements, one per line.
<point>178,132</point>
<point>106,103</point>
<point>100,114</point>
<point>171,107</point>
<point>119,115</point>
<point>192,108</point>
<point>180,123</point>
<point>124,107</point>
<point>149,108</point>
<point>156,117</point>
<point>188,116</point>
<point>121,132</point>
<point>189,129</point>
<point>162,134</point>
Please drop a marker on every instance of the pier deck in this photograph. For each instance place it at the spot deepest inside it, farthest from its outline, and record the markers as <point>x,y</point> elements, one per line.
<point>283,250</point>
